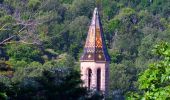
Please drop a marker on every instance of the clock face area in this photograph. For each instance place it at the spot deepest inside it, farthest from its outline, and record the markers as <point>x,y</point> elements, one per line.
<point>99,56</point>
<point>89,56</point>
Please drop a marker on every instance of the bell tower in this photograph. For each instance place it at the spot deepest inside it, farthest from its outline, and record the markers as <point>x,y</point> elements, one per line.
<point>95,59</point>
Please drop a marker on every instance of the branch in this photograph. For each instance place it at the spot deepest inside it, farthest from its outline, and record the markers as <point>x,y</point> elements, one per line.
<point>36,43</point>
<point>30,24</point>
<point>2,28</point>
<point>23,42</point>
<point>9,38</point>
<point>6,40</point>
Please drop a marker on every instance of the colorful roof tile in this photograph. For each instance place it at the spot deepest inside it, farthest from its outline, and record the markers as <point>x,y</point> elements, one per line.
<point>95,48</point>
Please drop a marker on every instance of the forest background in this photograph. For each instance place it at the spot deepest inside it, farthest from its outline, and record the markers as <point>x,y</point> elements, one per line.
<point>38,35</point>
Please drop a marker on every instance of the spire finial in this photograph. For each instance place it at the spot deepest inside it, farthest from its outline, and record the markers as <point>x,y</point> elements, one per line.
<point>95,10</point>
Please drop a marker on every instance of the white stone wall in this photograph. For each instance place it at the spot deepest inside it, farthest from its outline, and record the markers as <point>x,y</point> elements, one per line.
<point>104,66</point>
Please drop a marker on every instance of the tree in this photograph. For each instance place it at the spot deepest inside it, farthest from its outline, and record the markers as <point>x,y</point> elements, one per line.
<point>3,95</point>
<point>154,82</point>
<point>55,83</point>
<point>50,83</point>
<point>24,52</point>
<point>23,20</point>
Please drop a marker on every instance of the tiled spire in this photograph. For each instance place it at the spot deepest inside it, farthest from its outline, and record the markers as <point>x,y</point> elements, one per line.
<point>95,48</point>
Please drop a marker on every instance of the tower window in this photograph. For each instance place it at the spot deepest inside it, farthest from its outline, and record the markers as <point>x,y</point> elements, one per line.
<point>89,71</point>
<point>98,79</point>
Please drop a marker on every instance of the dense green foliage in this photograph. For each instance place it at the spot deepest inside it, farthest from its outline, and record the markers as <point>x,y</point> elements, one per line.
<point>154,82</point>
<point>52,33</point>
<point>53,83</point>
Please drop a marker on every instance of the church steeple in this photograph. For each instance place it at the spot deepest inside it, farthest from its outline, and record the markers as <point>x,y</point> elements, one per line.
<point>94,61</point>
<point>95,48</point>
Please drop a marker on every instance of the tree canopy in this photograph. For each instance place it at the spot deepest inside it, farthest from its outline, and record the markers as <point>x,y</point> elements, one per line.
<point>52,33</point>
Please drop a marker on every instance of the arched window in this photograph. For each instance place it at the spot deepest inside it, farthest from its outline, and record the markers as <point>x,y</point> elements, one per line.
<point>89,74</point>
<point>98,79</point>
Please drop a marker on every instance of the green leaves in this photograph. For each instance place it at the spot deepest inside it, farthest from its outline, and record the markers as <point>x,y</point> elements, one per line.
<point>162,49</point>
<point>24,52</point>
<point>58,83</point>
<point>3,96</point>
<point>125,12</point>
<point>59,27</point>
<point>33,3</point>
<point>155,81</point>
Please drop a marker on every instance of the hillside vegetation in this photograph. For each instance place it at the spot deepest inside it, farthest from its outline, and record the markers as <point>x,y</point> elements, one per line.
<point>40,36</point>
